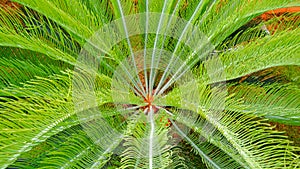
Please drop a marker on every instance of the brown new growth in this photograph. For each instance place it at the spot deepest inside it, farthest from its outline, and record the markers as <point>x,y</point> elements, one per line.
<point>149,99</point>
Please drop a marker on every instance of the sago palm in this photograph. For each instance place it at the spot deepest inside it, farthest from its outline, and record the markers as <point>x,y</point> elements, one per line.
<point>148,84</point>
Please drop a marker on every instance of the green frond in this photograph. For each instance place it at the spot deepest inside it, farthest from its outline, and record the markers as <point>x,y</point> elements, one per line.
<point>278,50</point>
<point>27,126</point>
<point>279,75</point>
<point>179,158</point>
<point>279,103</point>
<point>239,130</point>
<point>196,94</point>
<point>144,149</point>
<point>256,148</point>
<point>25,67</point>
<point>33,32</point>
<point>210,155</point>
<point>72,15</point>
<point>208,133</point>
<point>221,159</point>
<point>227,16</point>
<point>158,6</point>
<point>71,148</point>
<point>52,95</point>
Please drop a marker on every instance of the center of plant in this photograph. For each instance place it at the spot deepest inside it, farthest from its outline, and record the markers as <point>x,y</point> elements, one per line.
<point>149,101</point>
<point>142,80</point>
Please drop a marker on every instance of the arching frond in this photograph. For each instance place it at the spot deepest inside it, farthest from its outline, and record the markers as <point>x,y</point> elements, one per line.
<point>227,16</point>
<point>27,124</point>
<point>225,121</point>
<point>148,145</point>
<point>70,148</point>
<point>19,66</point>
<point>279,103</point>
<point>249,144</point>
<point>73,15</point>
<point>208,133</point>
<point>52,95</point>
<point>27,30</point>
<point>277,50</point>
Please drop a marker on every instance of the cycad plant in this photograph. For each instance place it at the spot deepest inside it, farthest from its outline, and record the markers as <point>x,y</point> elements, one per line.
<point>148,84</point>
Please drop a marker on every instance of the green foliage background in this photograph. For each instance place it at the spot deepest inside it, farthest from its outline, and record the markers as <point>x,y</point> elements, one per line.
<point>39,128</point>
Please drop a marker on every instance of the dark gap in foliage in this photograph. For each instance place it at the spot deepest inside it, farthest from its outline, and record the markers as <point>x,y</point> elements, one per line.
<point>293,132</point>
<point>279,74</point>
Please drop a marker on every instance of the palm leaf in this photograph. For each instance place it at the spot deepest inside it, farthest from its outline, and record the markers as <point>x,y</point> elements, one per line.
<point>277,103</point>
<point>278,50</point>
<point>74,16</point>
